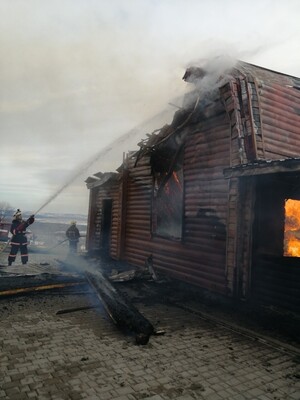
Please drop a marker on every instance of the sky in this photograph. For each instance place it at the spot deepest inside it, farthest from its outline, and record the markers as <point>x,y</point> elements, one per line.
<point>83,81</point>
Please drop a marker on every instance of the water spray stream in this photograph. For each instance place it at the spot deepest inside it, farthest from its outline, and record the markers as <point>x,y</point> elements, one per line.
<point>82,168</point>
<point>210,82</point>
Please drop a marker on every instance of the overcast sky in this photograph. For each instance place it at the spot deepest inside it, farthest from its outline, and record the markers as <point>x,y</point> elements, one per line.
<point>76,75</point>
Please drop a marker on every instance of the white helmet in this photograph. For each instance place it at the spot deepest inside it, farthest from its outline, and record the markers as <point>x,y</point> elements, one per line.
<point>18,214</point>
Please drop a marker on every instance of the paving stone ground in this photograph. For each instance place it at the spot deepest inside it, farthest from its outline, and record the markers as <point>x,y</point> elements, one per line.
<point>82,355</point>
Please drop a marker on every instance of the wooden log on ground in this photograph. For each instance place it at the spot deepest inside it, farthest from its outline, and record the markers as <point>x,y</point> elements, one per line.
<point>120,309</point>
<point>31,289</point>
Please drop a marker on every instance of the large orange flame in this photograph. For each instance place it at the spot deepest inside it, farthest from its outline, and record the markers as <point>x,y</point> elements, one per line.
<point>292,228</point>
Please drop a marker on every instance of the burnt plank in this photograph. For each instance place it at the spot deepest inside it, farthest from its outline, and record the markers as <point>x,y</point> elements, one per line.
<point>119,308</point>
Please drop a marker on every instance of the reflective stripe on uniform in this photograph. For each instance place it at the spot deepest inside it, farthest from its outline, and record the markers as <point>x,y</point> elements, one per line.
<point>15,232</point>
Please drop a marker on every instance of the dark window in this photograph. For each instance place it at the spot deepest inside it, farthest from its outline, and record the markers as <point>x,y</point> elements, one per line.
<point>292,228</point>
<point>168,204</point>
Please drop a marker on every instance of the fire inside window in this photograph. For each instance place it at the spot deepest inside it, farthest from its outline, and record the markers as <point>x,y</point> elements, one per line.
<point>168,204</point>
<point>292,228</point>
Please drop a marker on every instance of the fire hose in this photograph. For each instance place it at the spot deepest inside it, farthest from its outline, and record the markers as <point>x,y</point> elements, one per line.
<point>58,244</point>
<point>4,247</point>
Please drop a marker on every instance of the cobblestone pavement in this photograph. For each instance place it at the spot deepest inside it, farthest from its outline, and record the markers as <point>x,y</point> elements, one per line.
<point>82,355</point>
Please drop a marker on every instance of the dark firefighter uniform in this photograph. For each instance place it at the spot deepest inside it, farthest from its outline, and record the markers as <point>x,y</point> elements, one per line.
<point>19,239</point>
<point>73,235</point>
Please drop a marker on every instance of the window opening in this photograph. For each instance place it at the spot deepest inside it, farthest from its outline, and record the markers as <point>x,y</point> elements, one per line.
<point>168,204</point>
<point>292,228</point>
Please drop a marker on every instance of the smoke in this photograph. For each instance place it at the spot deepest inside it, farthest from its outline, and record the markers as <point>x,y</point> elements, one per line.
<point>76,74</point>
<point>206,77</point>
<point>216,67</point>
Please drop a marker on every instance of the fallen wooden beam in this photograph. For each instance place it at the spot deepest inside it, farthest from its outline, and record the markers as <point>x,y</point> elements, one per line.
<point>120,309</point>
<point>13,292</point>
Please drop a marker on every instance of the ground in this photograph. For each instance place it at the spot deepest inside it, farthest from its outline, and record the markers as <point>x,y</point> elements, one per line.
<point>207,351</point>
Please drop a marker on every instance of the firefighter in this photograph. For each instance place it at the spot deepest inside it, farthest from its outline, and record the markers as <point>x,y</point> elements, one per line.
<point>73,235</point>
<point>19,240</point>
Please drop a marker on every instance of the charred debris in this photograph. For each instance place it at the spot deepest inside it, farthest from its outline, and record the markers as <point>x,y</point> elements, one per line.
<point>77,274</point>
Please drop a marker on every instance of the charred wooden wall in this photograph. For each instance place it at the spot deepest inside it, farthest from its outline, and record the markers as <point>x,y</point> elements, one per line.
<point>200,257</point>
<point>91,225</point>
<point>206,201</point>
<point>263,109</point>
<point>109,191</point>
<point>256,118</point>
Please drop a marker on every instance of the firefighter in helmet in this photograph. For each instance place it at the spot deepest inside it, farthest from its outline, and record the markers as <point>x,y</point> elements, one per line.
<point>73,235</point>
<point>19,240</point>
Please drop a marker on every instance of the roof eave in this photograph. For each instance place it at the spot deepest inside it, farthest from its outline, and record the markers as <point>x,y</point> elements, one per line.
<point>263,167</point>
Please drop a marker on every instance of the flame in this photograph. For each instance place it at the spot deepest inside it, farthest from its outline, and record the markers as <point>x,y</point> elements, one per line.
<point>175,176</point>
<point>167,187</point>
<point>292,228</point>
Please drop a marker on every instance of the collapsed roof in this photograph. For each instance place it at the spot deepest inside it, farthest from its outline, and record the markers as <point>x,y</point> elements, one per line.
<point>244,88</point>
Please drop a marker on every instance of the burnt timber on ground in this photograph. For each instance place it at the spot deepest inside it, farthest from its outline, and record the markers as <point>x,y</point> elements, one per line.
<point>119,308</point>
<point>22,284</point>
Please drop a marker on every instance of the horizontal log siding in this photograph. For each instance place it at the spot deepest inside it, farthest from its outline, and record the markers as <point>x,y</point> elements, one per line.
<point>200,256</point>
<point>138,213</point>
<point>207,153</point>
<point>280,118</point>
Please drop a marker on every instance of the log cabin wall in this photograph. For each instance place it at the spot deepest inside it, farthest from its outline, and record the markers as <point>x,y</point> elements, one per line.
<point>138,246</point>
<point>200,256</point>
<point>280,116</point>
<point>207,153</point>
<point>111,190</point>
<point>116,223</point>
<point>91,226</point>
<point>268,104</point>
<point>264,114</point>
<point>271,277</point>
<point>230,99</point>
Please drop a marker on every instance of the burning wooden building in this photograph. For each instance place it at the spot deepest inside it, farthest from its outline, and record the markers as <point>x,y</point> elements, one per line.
<point>214,197</point>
